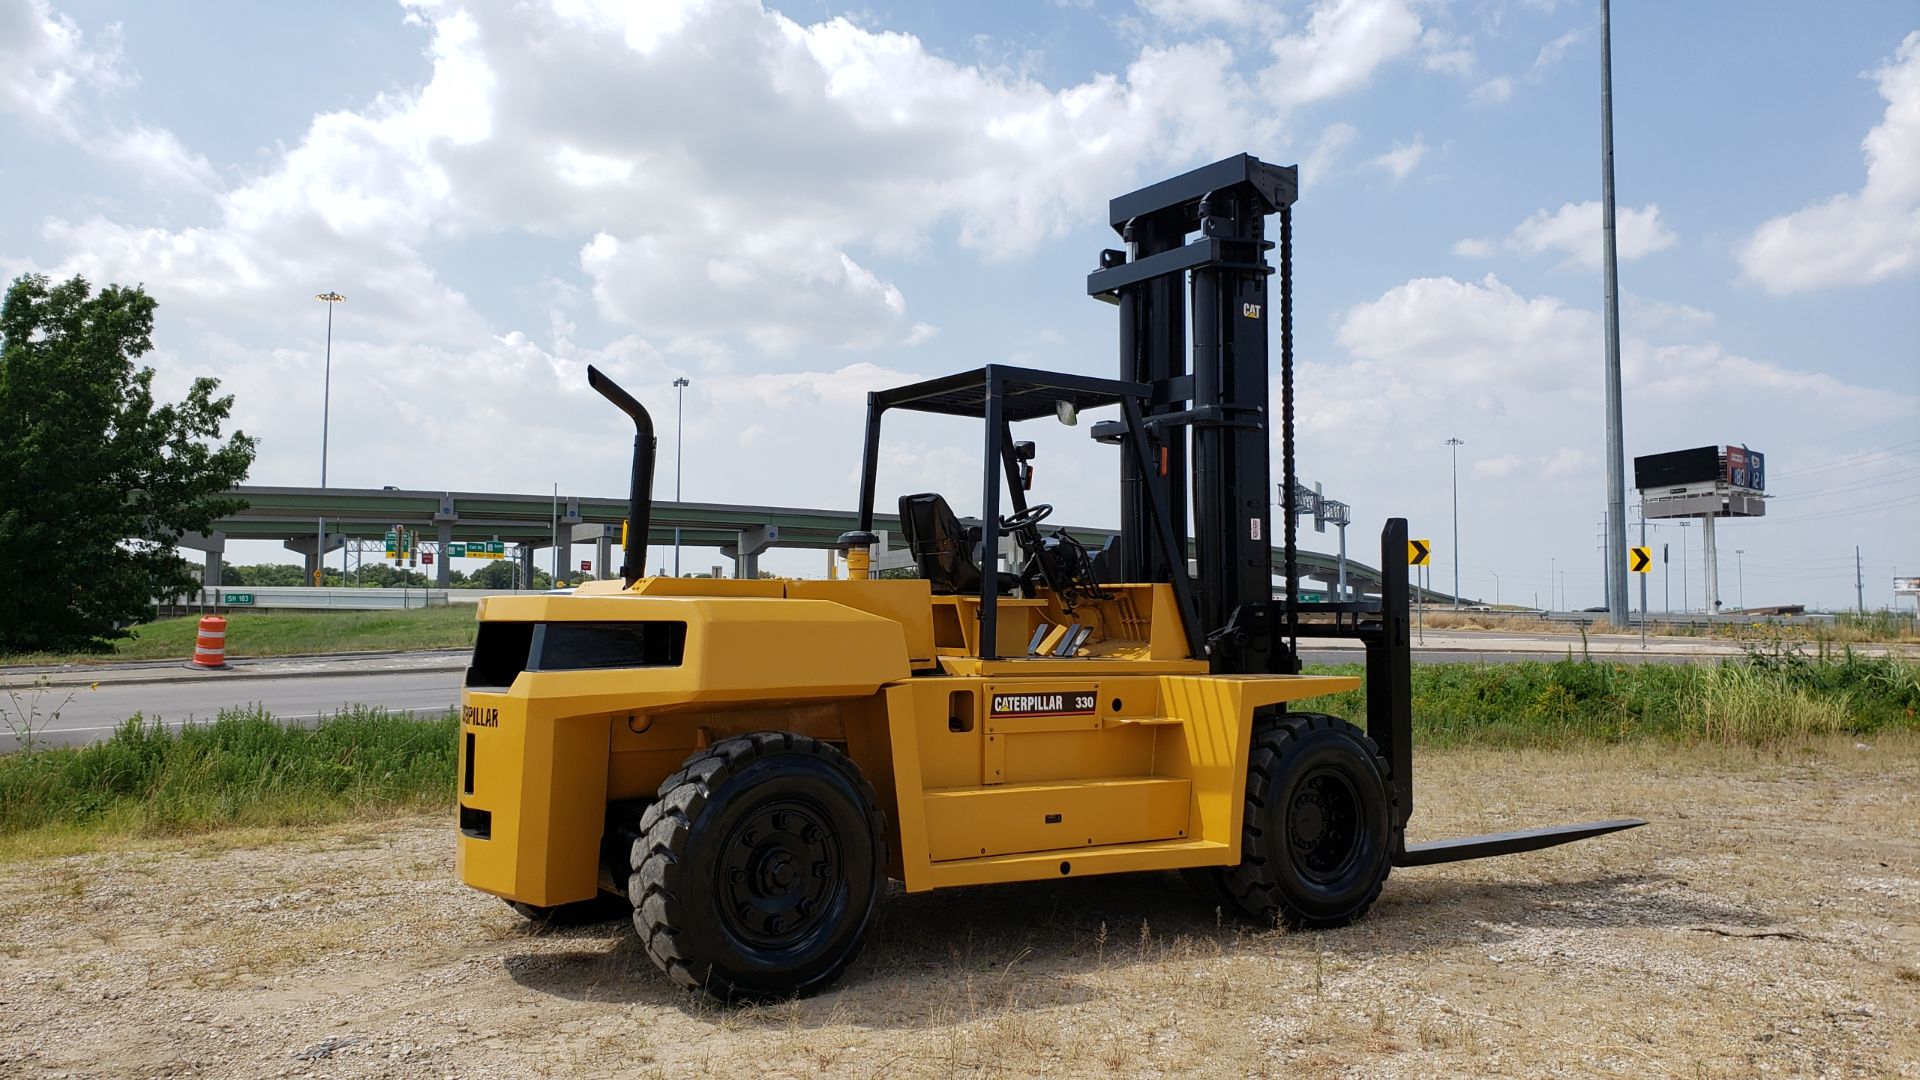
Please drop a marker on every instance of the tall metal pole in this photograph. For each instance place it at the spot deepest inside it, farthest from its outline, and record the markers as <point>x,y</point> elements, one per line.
<point>1643,577</point>
<point>1496,587</point>
<point>1553,573</point>
<point>326,401</point>
<point>554,578</point>
<point>679,413</point>
<point>1740,568</point>
<point>1859,584</point>
<point>1616,469</point>
<point>1454,445</point>
<point>1686,604</point>
<point>1643,581</point>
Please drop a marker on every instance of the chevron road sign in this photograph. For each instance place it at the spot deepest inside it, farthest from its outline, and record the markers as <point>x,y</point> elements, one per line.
<point>1640,560</point>
<point>1418,552</point>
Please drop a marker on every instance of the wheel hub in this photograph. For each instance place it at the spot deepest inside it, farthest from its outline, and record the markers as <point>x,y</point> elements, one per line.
<point>779,869</point>
<point>1323,824</point>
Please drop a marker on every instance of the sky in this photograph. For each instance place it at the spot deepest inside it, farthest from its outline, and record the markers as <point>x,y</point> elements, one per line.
<point>790,204</point>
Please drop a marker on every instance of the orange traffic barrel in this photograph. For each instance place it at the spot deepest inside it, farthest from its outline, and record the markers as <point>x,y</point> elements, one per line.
<point>210,647</point>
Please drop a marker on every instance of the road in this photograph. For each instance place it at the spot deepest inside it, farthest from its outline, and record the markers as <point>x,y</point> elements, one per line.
<point>302,691</point>
<point>92,713</point>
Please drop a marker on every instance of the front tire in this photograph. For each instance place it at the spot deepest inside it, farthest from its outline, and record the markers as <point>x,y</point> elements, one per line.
<point>1320,828</point>
<point>757,870</point>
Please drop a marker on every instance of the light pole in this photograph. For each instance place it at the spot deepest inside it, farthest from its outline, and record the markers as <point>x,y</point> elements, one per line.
<point>1454,445</point>
<point>1740,567</point>
<point>1553,575</point>
<point>679,415</point>
<point>1616,575</point>
<point>326,401</point>
<point>1496,588</point>
<point>1686,605</point>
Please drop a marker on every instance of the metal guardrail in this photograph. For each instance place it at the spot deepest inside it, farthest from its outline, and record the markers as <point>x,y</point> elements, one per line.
<point>296,597</point>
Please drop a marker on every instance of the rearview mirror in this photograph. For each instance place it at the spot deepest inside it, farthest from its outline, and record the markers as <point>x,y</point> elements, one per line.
<point>1066,412</point>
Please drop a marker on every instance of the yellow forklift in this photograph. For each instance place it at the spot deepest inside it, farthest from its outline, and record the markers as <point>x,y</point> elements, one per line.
<point>743,764</point>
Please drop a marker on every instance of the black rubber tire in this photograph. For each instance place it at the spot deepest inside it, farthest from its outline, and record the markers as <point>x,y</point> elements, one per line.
<point>603,908</point>
<point>1321,824</point>
<point>1206,883</point>
<point>712,893</point>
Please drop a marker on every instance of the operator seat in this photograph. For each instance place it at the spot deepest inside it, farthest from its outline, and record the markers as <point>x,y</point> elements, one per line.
<point>942,548</point>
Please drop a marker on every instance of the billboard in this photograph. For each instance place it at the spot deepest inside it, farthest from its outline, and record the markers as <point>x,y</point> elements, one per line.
<point>1746,468</point>
<point>1677,468</point>
<point>1683,472</point>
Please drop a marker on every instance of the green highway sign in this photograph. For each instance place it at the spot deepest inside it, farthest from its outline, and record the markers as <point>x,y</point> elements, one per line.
<point>237,599</point>
<point>1312,598</point>
<point>456,551</point>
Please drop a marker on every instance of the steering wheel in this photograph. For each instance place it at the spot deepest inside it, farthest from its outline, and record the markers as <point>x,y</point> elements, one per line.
<point>1026,519</point>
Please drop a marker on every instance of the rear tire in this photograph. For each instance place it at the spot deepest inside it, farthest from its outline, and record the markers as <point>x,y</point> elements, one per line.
<point>758,868</point>
<point>1321,824</point>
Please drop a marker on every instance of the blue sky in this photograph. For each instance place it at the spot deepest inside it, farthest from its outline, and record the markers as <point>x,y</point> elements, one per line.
<point>793,203</point>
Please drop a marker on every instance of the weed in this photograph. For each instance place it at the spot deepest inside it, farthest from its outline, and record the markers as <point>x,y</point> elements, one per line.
<point>244,768</point>
<point>24,716</point>
<point>1763,698</point>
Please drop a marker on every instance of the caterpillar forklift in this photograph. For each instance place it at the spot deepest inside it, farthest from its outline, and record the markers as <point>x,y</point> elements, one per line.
<point>743,764</point>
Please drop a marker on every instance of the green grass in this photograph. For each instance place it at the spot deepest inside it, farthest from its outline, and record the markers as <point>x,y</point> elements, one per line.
<point>243,769</point>
<point>1758,699</point>
<point>246,769</point>
<point>287,633</point>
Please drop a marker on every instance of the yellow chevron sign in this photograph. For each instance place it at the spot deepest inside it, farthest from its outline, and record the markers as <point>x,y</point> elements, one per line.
<point>1418,552</point>
<point>1640,560</point>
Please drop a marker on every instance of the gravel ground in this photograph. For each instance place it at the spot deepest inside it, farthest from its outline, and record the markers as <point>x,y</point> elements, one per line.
<point>1768,923</point>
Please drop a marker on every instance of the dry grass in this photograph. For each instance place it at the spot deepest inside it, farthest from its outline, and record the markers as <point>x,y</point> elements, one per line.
<point>1764,924</point>
<point>1448,619</point>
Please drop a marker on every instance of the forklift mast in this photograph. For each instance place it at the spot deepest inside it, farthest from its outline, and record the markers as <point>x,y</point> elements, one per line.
<point>1221,277</point>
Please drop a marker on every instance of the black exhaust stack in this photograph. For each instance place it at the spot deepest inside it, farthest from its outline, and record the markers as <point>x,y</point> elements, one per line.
<point>640,490</point>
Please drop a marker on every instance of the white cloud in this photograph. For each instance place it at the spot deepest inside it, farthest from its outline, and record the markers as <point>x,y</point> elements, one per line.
<point>1474,247</point>
<point>1495,91</point>
<point>45,62</point>
<point>1402,159</point>
<point>1518,377</point>
<point>53,80</point>
<point>1574,230</point>
<point>1552,51</point>
<point>731,235</point>
<point>1861,238</point>
<point>1447,52</point>
<point>1332,144</point>
<point>157,155</point>
<point>1344,43</point>
<point>1188,13</point>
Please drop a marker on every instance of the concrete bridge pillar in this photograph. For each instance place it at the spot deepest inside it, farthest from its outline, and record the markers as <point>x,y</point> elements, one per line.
<point>444,517</point>
<point>443,566</point>
<point>745,551</point>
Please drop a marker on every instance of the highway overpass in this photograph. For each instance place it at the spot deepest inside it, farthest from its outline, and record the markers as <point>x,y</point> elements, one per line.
<point>293,516</point>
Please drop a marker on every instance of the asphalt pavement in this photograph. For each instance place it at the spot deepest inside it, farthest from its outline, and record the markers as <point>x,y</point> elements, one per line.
<point>84,703</point>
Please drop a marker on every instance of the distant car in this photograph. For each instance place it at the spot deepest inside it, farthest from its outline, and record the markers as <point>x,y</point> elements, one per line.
<point>1602,607</point>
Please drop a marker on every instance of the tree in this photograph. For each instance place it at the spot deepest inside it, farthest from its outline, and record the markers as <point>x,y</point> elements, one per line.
<point>386,576</point>
<point>495,575</point>
<point>264,575</point>
<point>97,479</point>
